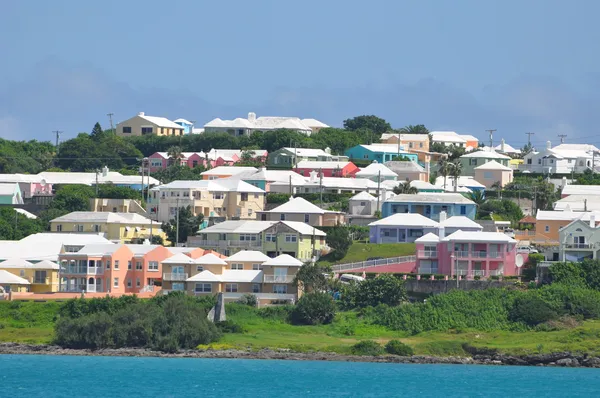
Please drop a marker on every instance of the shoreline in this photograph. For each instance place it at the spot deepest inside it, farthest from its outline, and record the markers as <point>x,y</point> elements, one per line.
<point>561,359</point>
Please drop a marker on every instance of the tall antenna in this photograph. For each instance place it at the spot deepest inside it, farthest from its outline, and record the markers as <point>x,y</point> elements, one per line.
<point>58,133</point>
<point>562,138</point>
<point>529,138</point>
<point>110,115</point>
<point>491,131</point>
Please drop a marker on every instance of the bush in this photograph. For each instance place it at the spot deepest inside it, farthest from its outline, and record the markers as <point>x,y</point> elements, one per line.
<point>531,311</point>
<point>384,289</point>
<point>248,299</point>
<point>367,347</point>
<point>230,327</point>
<point>314,309</point>
<point>396,347</point>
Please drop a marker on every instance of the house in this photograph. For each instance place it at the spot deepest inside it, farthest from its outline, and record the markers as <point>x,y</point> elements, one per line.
<point>467,254</point>
<point>408,141</point>
<point>117,206</point>
<point>42,275</point>
<point>327,168</point>
<point>492,172</point>
<point>363,204</point>
<point>578,203</point>
<point>424,186</point>
<point>465,184</point>
<point>297,239</point>
<point>244,127</point>
<point>379,152</point>
<point>161,160</point>
<point>508,150</point>
<point>188,126</point>
<point>448,138</point>
<point>315,184</point>
<point>225,172</point>
<point>408,171</point>
<point>223,157</point>
<point>579,240</point>
<point>117,227</point>
<point>289,156</point>
<point>143,125</point>
<point>10,282</point>
<point>581,191</point>
<point>549,222</point>
<point>181,266</point>
<point>401,228</point>
<point>10,194</point>
<point>473,159</point>
<point>450,225</point>
<point>301,210</point>
<point>246,272</point>
<point>430,205</point>
<point>223,197</point>
<point>376,171</point>
<point>30,185</point>
<point>562,159</point>
<point>263,178</point>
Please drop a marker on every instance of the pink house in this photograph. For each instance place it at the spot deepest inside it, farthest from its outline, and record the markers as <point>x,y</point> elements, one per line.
<point>468,253</point>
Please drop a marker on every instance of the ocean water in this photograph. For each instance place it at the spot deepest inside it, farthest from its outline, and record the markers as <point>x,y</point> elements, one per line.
<point>64,376</point>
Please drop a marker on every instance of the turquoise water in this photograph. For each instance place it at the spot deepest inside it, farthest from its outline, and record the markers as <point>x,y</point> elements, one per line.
<point>63,376</point>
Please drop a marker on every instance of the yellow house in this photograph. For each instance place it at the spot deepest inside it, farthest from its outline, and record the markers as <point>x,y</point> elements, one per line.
<point>408,141</point>
<point>143,125</point>
<point>549,223</point>
<point>116,227</point>
<point>42,276</point>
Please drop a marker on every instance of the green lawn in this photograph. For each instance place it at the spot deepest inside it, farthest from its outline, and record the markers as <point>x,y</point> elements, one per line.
<point>363,251</point>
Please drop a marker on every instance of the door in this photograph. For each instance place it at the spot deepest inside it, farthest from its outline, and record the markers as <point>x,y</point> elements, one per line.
<point>280,274</point>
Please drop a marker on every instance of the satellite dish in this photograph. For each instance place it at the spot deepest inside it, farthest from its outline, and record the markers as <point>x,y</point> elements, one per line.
<point>43,183</point>
<point>519,261</point>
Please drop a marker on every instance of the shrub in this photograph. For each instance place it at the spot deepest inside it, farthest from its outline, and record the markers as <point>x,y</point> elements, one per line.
<point>367,347</point>
<point>396,347</point>
<point>314,309</point>
<point>531,311</point>
<point>248,299</point>
<point>384,289</point>
<point>230,327</point>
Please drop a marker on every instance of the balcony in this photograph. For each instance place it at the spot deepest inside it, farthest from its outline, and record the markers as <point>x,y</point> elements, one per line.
<point>484,254</point>
<point>423,270</point>
<point>580,246</point>
<point>427,254</point>
<point>40,281</point>
<point>81,270</point>
<point>171,276</point>
<point>278,278</point>
<point>228,243</point>
<point>462,254</point>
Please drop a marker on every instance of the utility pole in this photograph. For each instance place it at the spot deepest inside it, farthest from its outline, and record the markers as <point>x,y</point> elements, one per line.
<point>177,230</point>
<point>321,186</point>
<point>295,154</point>
<point>97,172</point>
<point>291,189</point>
<point>57,133</point>
<point>562,138</point>
<point>110,115</point>
<point>142,187</point>
<point>378,186</point>
<point>491,131</point>
<point>529,138</point>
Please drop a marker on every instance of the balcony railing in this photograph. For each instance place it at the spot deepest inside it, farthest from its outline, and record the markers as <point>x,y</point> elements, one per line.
<point>171,276</point>
<point>278,278</point>
<point>40,281</point>
<point>228,243</point>
<point>580,245</point>
<point>82,270</point>
<point>80,288</point>
<point>423,270</point>
<point>462,254</point>
<point>478,272</point>
<point>427,253</point>
<point>546,264</point>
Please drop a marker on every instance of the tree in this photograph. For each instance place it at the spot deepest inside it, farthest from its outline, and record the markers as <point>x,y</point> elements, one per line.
<point>384,289</point>
<point>311,278</point>
<point>175,155</point>
<point>372,123</point>
<point>188,225</point>
<point>338,140</point>
<point>443,169</point>
<point>174,173</point>
<point>339,240</point>
<point>527,149</point>
<point>456,172</point>
<point>545,196</point>
<point>478,197</point>
<point>97,132</point>
<point>497,186</point>
<point>314,309</point>
<point>506,209</point>
<point>405,188</point>
<point>410,129</point>
<point>16,226</point>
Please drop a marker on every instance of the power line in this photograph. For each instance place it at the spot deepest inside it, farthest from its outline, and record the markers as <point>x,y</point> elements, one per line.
<point>562,138</point>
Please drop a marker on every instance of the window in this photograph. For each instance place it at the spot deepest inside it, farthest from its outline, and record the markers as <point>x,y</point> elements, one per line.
<point>547,228</point>
<point>156,162</point>
<point>116,264</point>
<point>231,287</point>
<point>473,162</point>
<point>539,161</point>
<point>289,238</point>
<point>22,273</point>
<point>551,161</point>
<point>257,267</point>
<point>244,197</point>
<point>199,268</point>
<point>79,228</point>
<point>107,264</point>
<point>270,237</point>
<point>179,286</point>
<point>218,195</point>
<point>129,282</point>
<point>126,130</point>
<point>410,144</point>
<point>138,265</point>
<point>137,282</point>
<point>248,237</point>
<point>203,288</point>
<point>128,264</point>
<point>488,175</point>
<point>463,210</point>
<point>153,266</point>
<point>529,161</point>
<point>282,217</point>
<point>237,266</point>
<point>366,156</point>
<point>363,203</point>
<point>570,160</point>
<point>59,228</point>
<point>306,218</point>
<point>420,145</point>
<point>194,163</point>
<point>97,228</point>
<point>116,282</point>
<point>256,288</point>
<point>280,289</point>
<point>146,130</point>
<point>249,212</point>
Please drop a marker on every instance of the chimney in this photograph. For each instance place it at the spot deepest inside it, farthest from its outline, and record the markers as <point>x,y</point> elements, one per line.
<point>105,171</point>
<point>564,182</point>
<point>251,117</point>
<point>141,114</point>
<point>313,176</point>
<point>548,145</point>
<point>442,232</point>
<point>384,195</point>
<point>443,216</point>
<point>592,221</point>
<point>502,145</point>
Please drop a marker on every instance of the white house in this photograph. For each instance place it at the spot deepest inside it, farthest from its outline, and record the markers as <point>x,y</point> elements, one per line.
<point>562,159</point>
<point>241,126</point>
<point>377,170</point>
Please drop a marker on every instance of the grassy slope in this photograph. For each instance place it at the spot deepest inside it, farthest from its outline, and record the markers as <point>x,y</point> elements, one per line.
<point>363,251</point>
<point>27,322</point>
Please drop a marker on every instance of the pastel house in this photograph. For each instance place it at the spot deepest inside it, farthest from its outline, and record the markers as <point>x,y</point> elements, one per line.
<point>468,254</point>
<point>186,124</point>
<point>474,159</point>
<point>408,171</point>
<point>327,168</point>
<point>41,275</point>
<point>491,172</point>
<point>377,171</point>
<point>263,178</point>
<point>301,210</point>
<point>144,125</point>
<point>10,194</point>
<point>379,152</point>
<point>401,228</point>
<point>430,205</point>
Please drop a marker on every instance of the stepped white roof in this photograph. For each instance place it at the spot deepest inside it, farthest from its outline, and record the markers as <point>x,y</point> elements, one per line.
<point>479,236</point>
<point>283,260</point>
<point>24,264</point>
<point>588,190</point>
<point>428,238</point>
<point>406,219</point>
<point>322,164</point>
<point>253,256</point>
<point>267,123</point>
<point>485,155</point>
<point>6,278</point>
<point>460,222</point>
<point>374,169</point>
<point>423,185</point>
<point>218,185</point>
<point>306,152</point>
<point>159,121</point>
<point>103,217</point>
<point>179,258</point>
<point>256,226</point>
<point>431,197</point>
<point>363,196</point>
<point>233,276</point>
<point>226,170</point>
<point>210,259</point>
<point>298,205</point>
<point>493,165</point>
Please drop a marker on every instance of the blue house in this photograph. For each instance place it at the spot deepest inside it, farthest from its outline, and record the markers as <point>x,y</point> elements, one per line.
<point>430,205</point>
<point>379,152</point>
<point>186,124</point>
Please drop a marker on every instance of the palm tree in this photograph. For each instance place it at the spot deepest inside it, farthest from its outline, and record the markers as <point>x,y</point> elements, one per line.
<point>455,172</point>
<point>497,186</point>
<point>478,197</point>
<point>443,169</point>
<point>410,129</point>
<point>405,188</point>
<point>175,155</point>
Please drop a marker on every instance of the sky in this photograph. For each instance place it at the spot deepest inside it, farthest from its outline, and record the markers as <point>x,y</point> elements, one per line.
<point>463,65</point>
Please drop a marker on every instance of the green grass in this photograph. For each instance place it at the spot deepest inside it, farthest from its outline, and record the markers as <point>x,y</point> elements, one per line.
<point>363,251</point>
<point>27,322</point>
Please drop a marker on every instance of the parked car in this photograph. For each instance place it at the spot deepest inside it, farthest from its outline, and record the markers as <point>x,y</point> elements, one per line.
<point>510,232</point>
<point>347,278</point>
<point>527,249</point>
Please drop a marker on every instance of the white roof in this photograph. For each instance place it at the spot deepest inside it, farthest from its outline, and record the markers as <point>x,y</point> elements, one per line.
<point>8,188</point>
<point>283,260</point>
<point>50,177</point>
<point>550,215</point>
<point>210,259</point>
<point>141,249</point>
<point>226,170</point>
<point>588,190</point>
<point>403,166</point>
<point>479,236</point>
<point>99,249</point>
<point>316,165</point>
<point>314,123</point>
<point>428,238</point>
<point>160,121</point>
<point>25,213</point>
<point>306,152</point>
<point>67,239</point>
<point>253,256</point>
<point>23,264</point>
<point>507,149</point>
<point>228,275</point>
<point>45,246</point>
<point>363,196</point>
<point>267,123</point>
<point>578,203</point>
<point>181,120</point>
<point>485,155</point>
<point>298,205</point>
<point>333,182</point>
<point>384,148</point>
<point>431,197</point>
<point>447,137</point>
<point>204,276</point>
<point>256,226</point>
<point>179,258</point>
<point>263,174</point>
<point>6,278</point>
<point>493,165</point>
<point>406,219</point>
<point>423,185</point>
<point>460,222</point>
<point>219,185</point>
<point>103,217</point>
<point>374,169</point>
<point>463,181</point>
<point>469,137</point>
